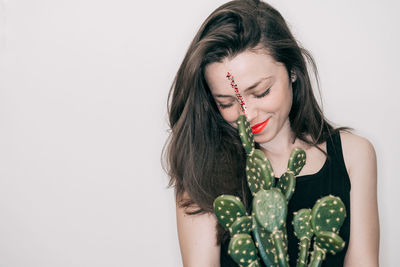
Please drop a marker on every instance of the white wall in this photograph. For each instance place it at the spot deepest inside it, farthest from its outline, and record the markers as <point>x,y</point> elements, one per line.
<point>83,87</point>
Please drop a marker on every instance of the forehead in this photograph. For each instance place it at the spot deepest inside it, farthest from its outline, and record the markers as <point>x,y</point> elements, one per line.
<point>247,67</point>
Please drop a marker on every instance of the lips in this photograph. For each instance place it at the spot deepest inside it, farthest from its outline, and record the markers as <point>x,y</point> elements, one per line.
<point>259,127</point>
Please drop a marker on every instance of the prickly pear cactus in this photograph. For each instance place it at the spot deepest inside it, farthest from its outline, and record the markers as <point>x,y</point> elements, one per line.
<point>317,257</point>
<point>246,135</point>
<point>259,172</point>
<point>297,161</point>
<point>264,244</point>
<point>228,208</point>
<point>270,211</point>
<point>286,184</point>
<point>329,242</point>
<point>260,176</point>
<point>324,220</point>
<point>242,225</point>
<point>268,220</point>
<point>231,214</point>
<point>304,232</point>
<point>328,214</point>
<point>242,250</point>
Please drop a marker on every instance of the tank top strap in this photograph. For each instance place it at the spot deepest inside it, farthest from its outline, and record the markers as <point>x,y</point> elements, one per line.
<point>334,147</point>
<point>335,156</point>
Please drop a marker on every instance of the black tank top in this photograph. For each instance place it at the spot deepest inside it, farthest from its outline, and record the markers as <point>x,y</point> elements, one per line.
<point>332,179</point>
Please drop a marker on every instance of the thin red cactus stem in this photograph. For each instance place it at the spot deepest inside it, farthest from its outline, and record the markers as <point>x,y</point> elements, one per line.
<point>238,95</point>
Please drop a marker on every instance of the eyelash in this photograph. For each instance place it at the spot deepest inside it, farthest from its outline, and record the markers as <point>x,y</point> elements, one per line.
<point>256,96</point>
<point>263,94</point>
<point>225,106</point>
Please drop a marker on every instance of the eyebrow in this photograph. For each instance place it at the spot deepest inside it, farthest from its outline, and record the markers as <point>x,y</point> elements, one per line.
<point>248,88</point>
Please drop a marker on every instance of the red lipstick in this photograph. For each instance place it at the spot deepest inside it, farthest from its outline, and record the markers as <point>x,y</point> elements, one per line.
<point>259,127</point>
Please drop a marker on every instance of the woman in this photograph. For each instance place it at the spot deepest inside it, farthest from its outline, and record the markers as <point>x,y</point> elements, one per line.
<point>251,41</point>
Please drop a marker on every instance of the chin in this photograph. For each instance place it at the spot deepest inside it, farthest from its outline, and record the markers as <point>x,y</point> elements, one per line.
<point>262,138</point>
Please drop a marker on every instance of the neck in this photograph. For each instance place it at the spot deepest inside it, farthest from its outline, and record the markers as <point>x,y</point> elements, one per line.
<point>282,143</point>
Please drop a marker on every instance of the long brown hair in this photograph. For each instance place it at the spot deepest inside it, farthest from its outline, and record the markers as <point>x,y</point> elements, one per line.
<point>204,154</point>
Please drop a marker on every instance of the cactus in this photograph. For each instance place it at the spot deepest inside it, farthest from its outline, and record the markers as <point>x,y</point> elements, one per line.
<point>268,220</point>
<point>242,225</point>
<point>242,250</point>
<point>264,244</point>
<point>328,214</point>
<point>260,175</point>
<point>246,135</point>
<point>259,172</point>
<point>258,168</point>
<point>231,214</point>
<point>270,211</point>
<point>304,232</point>
<point>286,184</point>
<point>324,220</point>
<point>329,242</point>
<point>227,209</point>
<point>287,181</point>
<point>317,257</point>
<point>325,242</point>
<point>296,161</point>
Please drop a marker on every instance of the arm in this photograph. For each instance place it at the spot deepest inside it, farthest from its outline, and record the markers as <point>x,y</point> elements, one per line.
<point>360,159</point>
<point>198,239</point>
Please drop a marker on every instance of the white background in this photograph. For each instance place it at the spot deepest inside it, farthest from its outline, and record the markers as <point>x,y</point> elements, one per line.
<point>83,87</point>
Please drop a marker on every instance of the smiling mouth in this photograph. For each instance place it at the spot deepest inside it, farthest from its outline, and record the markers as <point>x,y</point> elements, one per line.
<point>259,127</point>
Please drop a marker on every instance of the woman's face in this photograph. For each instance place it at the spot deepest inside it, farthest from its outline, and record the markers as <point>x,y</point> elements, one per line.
<point>264,86</point>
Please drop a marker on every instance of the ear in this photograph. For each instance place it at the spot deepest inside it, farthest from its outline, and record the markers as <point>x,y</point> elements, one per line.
<point>293,76</point>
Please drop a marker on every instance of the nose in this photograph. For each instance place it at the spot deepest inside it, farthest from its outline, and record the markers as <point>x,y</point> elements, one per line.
<point>251,114</point>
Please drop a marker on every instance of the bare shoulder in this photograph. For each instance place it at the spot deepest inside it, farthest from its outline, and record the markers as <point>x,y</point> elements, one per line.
<point>360,159</point>
<point>197,237</point>
<point>357,151</point>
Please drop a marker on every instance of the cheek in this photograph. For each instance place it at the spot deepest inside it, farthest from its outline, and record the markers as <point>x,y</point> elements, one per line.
<point>230,115</point>
<point>283,101</point>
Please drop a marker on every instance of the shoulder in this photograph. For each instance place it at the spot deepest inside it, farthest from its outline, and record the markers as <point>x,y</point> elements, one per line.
<point>358,152</point>
<point>360,159</point>
<point>197,237</point>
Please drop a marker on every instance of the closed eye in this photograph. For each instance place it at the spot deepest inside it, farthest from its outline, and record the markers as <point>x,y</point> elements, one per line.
<point>263,94</point>
<point>225,106</point>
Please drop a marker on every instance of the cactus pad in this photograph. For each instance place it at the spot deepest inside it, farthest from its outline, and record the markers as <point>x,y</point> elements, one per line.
<point>297,161</point>
<point>329,242</point>
<point>304,232</point>
<point>242,225</point>
<point>270,209</point>
<point>302,224</point>
<point>242,249</point>
<point>266,167</point>
<point>286,184</point>
<point>228,208</point>
<point>259,172</point>
<point>328,214</point>
<point>264,244</point>
<point>277,239</point>
<point>246,135</point>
